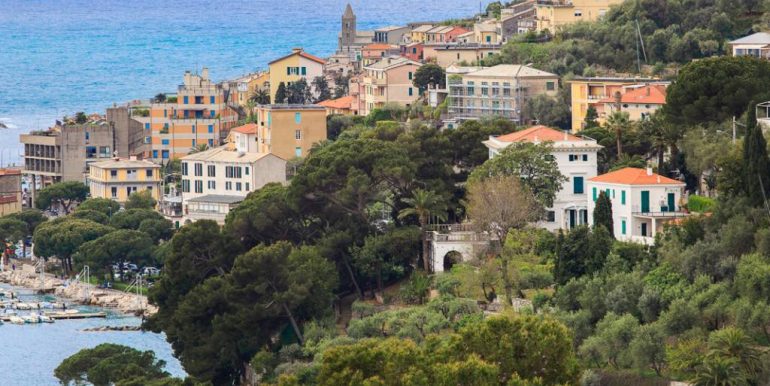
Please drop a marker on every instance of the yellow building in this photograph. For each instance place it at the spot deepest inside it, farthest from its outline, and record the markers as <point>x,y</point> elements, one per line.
<point>487,32</point>
<point>10,191</point>
<point>289,131</point>
<point>293,67</point>
<point>420,33</point>
<point>593,92</point>
<point>243,88</point>
<point>118,178</point>
<point>550,15</point>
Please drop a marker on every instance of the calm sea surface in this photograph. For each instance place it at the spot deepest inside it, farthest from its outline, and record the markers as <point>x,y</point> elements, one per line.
<point>31,352</point>
<point>62,56</point>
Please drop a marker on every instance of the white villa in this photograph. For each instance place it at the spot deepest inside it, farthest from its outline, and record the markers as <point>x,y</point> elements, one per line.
<point>576,158</point>
<point>641,202</point>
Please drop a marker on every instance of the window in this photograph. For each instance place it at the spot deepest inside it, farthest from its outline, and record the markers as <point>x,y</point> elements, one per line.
<point>298,151</point>
<point>578,13</point>
<point>165,113</point>
<point>212,184</point>
<point>238,186</point>
<point>410,75</point>
<point>571,157</point>
<point>212,171</point>
<point>550,86</point>
<point>577,185</point>
<point>247,187</point>
<point>304,70</point>
<point>228,185</point>
<point>622,227</point>
<point>184,168</point>
<point>154,154</point>
<point>211,128</point>
<point>186,186</point>
<point>198,169</point>
<point>211,142</point>
<point>622,197</point>
<point>410,91</point>
<point>213,113</point>
<point>164,154</point>
<point>593,193</point>
<point>233,172</point>
<point>194,143</point>
<point>198,186</point>
<point>114,192</point>
<point>88,136</point>
<point>193,128</point>
<point>585,157</point>
<point>550,216</point>
<point>297,134</point>
<point>149,173</point>
<point>246,170</point>
<point>297,117</point>
<point>147,126</point>
<point>164,141</point>
<point>489,38</point>
<point>113,173</point>
<point>212,99</point>
<point>186,101</point>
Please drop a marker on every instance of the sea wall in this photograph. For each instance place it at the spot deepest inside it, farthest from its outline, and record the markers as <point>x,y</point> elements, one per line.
<point>78,292</point>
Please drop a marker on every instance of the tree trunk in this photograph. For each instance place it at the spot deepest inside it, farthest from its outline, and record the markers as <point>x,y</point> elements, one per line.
<point>507,282</point>
<point>353,278</point>
<point>619,144</point>
<point>661,151</point>
<point>294,324</point>
<point>426,260</point>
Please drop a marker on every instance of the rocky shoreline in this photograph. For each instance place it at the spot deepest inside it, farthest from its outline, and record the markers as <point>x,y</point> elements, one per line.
<point>79,292</point>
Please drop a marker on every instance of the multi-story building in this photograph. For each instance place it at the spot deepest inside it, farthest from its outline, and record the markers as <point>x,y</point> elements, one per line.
<point>389,81</point>
<point>591,92</point>
<point>216,180</point>
<point>374,52</point>
<point>64,152</point>
<point>495,91</point>
<point>552,14</point>
<point>289,131</point>
<point>340,106</point>
<point>518,18</point>
<point>444,34</point>
<point>118,178</point>
<point>391,34</point>
<point>419,34</point>
<point>293,67</point>
<point>10,191</point>
<point>757,45</point>
<point>469,53</point>
<point>201,113</point>
<point>413,51</point>
<point>488,32</point>
<point>576,158</point>
<point>242,89</point>
<point>350,40</point>
<point>642,202</point>
<point>639,101</point>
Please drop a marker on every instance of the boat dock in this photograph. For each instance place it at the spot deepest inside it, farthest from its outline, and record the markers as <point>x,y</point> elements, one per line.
<point>65,315</point>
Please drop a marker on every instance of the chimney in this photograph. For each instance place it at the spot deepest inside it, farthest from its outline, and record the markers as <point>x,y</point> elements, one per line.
<point>296,50</point>
<point>649,171</point>
<point>565,135</point>
<point>205,73</point>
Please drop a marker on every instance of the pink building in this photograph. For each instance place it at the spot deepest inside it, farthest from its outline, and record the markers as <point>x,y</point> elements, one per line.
<point>413,51</point>
<point>388,81</point>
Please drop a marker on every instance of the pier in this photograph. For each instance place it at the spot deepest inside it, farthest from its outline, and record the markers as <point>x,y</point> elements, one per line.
<point>65,315</point>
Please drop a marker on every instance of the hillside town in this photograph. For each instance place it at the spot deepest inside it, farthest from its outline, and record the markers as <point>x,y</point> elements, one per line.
<point>553,192</point>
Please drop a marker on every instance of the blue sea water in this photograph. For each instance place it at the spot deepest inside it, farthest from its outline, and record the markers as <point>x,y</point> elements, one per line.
<point>30,352</point>
<point>62,56</point>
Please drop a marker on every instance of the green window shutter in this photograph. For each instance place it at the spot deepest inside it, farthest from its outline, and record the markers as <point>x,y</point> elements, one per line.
<point>594,193</point>
<point>623,226</point>
<point>623,197</point>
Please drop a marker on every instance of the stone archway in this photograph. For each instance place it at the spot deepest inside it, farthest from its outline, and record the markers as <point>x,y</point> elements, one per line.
<point>451,258</point>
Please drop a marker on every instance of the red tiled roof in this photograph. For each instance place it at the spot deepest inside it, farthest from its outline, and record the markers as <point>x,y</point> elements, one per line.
<point>378,46</point>
<point>339,103</point>
<point>654,94</point>
<point>635,176</point>
<point>537,133</point>
<point>302,54</point>
<point>249,128</point>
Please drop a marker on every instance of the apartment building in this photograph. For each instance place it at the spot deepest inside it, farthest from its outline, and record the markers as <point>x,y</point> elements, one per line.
<point>552,14</point>
<point>413,51</point>
<point>419,34</point>
<point>200,113</point>
<point>499,91</point>
<point>293,67</point>
<point>216,180</point>
<point>576,158</point>
<point>63,153</point>
<point>118,178</point>
<point>374,52</point>
<point>389,81</point>
<point>391,34</point>
<point>639,101</point>
<point>10,191</point>
<point>289,131</point>
<point>595,91</point>
<point>444,34</point>
<point>446,55</point>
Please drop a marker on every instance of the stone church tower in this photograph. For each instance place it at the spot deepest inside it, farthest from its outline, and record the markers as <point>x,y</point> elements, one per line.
<point>348,32</point>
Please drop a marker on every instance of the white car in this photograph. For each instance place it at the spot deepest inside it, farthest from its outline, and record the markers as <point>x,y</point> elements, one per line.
<point>150,271</point>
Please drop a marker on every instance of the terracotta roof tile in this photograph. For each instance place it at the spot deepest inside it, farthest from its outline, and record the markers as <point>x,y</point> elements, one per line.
<point>339,103</point>
<point>654,94</point>
<point>537,133</point>
<point>635,176</point>
<point>249,128</point>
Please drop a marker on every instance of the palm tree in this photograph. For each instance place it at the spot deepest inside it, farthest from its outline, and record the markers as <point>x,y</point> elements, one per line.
<point>733,343</point>
<point>250,105</point>
<point>261,97</point>
<point>618,122</point>
<point>716,371</point>
<point>200,148</point>
<point>424,204</point>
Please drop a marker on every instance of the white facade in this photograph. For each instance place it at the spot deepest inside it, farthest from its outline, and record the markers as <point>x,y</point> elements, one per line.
<point>642,202</point>
<point>576,158</point>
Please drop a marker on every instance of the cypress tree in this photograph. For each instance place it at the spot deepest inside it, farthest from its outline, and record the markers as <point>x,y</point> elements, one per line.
<point>755,160</point>
<point>603,213</point>
<point>280,94</point>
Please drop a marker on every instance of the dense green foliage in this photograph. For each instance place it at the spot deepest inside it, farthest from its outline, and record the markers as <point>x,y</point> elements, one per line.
<point>62,196</point>
<point>111,364</point>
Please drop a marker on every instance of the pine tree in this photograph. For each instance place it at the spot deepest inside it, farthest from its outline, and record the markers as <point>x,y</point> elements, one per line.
<point>590,120</point>
<point>603,213</point>
<point>280,94</point>
<point>756,164</point>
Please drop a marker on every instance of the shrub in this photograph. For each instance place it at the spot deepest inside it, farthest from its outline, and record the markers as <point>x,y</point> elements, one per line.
<point>700,204</point>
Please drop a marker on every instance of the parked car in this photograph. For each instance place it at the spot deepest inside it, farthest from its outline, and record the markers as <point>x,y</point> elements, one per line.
<point>150,271</point>
<point>131,267</point>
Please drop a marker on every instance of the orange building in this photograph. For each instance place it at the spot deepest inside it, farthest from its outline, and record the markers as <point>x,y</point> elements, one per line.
<point>199,114</point>
<point>289,131</point>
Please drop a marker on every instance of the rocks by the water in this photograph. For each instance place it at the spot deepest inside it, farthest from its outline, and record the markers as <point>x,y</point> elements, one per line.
<point>25,276</point>
<point>113,328</point>
<point>3,126</point>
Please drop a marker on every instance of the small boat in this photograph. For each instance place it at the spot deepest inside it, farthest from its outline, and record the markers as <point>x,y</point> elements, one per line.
<point>45,319</point>
<point>31,318</point>
<point>16,319</point>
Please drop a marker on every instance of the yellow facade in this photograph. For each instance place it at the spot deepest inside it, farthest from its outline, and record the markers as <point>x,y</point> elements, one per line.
<point>289,131</point>
<point>118,178</point>
<point>292,68</point>
<point>588,92</point>
<point>554,14</point>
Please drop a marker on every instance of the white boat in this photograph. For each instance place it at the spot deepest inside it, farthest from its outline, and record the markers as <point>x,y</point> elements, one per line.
<point>16,320</point>
<point>45,319</point>
<point>31,318</point>
<point>23,306</point>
